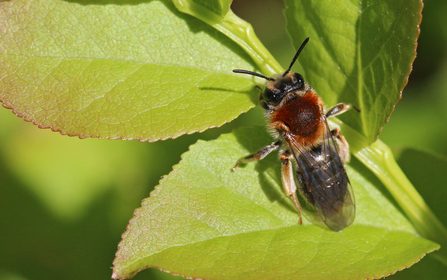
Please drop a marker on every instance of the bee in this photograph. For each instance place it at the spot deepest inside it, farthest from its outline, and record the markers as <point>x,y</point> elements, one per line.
<point>307,145</point>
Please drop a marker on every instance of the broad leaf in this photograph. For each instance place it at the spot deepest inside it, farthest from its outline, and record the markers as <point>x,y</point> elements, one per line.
<point>361,52</point>
<point>137,71</point>
<point>204,221</point>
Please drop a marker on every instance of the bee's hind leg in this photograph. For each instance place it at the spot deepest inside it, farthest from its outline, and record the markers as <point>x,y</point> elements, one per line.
<point>288,180</point>
<point>260,154</point>
<point>343,146</point>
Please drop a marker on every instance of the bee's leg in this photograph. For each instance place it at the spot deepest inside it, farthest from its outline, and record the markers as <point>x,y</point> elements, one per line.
<point>343,146</point>
<point>288,180</point>
<point>260,154</point>
<point>338,109</point>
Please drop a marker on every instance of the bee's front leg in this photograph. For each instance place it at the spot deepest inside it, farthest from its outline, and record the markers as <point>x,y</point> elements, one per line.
<point>338,109</point>
<point>260,154</point>
<point>288,180</point>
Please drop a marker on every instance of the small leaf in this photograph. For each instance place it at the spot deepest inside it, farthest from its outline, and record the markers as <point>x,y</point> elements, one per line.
<point>360,52</point>
<point>143,71</point>
<point>204,221</point>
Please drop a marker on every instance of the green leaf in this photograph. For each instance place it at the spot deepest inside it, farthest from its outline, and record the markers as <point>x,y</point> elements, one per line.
<point>204,221</point>
<point>360,52</point>
<point>417,123</point>
<point>427,268</point>
<point>138,71</point>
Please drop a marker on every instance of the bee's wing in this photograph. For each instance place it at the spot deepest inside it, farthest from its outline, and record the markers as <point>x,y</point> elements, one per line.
<point>326,180</point>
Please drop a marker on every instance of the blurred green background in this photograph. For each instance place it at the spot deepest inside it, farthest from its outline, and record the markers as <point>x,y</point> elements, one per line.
<point>65,202</point>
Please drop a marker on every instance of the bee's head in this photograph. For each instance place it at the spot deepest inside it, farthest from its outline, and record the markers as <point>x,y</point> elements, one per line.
<point>277,88</point>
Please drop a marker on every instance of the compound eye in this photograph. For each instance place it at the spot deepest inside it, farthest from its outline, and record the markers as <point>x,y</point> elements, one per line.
<point>272,95</point>
<point>298,81</point>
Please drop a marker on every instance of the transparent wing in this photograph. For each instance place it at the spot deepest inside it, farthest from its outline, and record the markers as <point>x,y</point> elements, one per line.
<point>326,182</point>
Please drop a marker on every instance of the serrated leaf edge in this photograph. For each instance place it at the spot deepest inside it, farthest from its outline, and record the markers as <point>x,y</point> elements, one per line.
<point>409,71</point>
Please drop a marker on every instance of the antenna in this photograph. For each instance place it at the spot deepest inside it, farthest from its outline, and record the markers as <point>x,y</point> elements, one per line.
<point>253,74</point>
<point>296,56</point>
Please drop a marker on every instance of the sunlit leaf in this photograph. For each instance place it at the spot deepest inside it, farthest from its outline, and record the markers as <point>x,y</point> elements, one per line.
<point>136,71</point>
<point>204,221</point>
<point>360,52</point>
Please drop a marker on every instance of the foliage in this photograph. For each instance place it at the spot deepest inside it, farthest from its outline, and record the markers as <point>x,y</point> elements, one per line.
<point>109,70</point>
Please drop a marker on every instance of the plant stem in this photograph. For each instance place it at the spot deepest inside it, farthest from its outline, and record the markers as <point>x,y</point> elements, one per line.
<point>243,34</point>
<point>380,160</point>
<point>237,30</point>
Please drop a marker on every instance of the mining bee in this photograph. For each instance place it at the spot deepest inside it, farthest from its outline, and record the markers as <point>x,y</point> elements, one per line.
<point>298,122</point>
